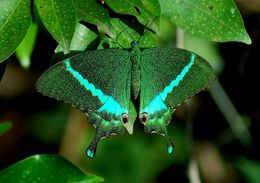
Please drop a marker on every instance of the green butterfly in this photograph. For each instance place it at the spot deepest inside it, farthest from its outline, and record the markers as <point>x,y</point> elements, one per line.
<point>102,83</point>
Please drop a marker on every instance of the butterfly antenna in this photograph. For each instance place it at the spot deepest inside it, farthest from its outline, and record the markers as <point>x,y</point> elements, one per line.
<point>125,29</point>
<point>146,27</point>
<point>116,42</point>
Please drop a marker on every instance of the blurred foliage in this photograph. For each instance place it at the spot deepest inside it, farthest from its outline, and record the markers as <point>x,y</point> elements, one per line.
<point>249,168</point>
<point>4,126</point>
<point>137,157</point>
<point>48,126</point>
<point>37,126</point>
<point>25,49</point>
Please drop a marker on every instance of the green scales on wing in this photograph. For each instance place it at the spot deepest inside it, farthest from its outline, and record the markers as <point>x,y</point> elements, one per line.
<point>102,83</point>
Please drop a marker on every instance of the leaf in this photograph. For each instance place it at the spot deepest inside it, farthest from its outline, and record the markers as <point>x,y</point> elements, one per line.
<point>15,19</point>
<point>146,11</point>
<point>250,169</point>
<point>216,20</point>
<point>25,49</point>
<point>82,38</point>
<point>46,168</point>
<point>5,126</point>
<point>126,34</point>
<point>59,17</point>
<point>207,49</point>
<point>92,12</point>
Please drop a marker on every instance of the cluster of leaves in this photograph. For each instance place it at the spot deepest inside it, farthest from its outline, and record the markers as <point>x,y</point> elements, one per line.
<point>74,24</point>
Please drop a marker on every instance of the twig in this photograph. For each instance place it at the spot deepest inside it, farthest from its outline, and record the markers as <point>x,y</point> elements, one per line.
<point>230,113</point>
<point>193,171</point>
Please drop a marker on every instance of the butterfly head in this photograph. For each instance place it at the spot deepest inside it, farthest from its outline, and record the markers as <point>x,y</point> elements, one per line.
<point>134,43</point>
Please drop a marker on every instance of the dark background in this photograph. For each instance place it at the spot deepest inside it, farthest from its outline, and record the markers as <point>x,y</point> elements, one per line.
<point>43,125</point>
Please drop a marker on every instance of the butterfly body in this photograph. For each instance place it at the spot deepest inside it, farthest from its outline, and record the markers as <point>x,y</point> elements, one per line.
<point>102,83</point>
<point>135,57</point>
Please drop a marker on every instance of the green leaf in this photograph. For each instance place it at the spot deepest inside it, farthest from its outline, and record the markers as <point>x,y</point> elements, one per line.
<point>126,34</point>
<point>59,17</point>
<point>15,19</point>
<point>216,20</point>
<point>46,168</point>
<point>81,39</point>
<point>5,126</point>
<point>146,11</point>
<point>25,49</point>
<point>250,169</point>
<point>207,49</point>
<point>92,12</point>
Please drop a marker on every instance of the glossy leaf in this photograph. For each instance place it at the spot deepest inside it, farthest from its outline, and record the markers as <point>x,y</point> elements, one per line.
<point>206,49</point>
<point>92,12</point>
<point>59,17</point>
<point>46,168</point>
<point>216,20</point>
<point>5,126</point>
<point>82,38</point>
<point>15,19</point>
<point>147,12</point>
<point>25,49</point>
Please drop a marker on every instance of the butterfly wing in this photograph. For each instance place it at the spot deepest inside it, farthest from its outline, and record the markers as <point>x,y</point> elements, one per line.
<point>169,76</point>
<point>96,82</point>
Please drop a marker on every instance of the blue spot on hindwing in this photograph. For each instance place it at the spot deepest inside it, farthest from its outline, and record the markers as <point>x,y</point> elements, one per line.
<point>110,105</point>
<point>170,149</point>
<point>90,153</point>
<point>157,103</point>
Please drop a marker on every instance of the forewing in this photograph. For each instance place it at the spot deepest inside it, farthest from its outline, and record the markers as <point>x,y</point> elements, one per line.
<point>98,83</point>
<point>169,76</point>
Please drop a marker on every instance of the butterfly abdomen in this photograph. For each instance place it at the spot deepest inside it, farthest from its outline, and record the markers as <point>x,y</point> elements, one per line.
<point>135,80</point>
<point>135,57</point>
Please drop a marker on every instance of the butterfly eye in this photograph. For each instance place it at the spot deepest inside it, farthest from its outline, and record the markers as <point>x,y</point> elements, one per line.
<point>124,118</point>
<point>143,117</point>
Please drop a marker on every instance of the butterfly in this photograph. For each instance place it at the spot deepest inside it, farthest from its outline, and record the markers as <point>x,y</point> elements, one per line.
<point>103,83</point>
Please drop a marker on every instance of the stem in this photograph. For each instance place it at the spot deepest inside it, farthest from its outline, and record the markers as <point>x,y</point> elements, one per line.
<point>193,171</point>
<point>230,113</point>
